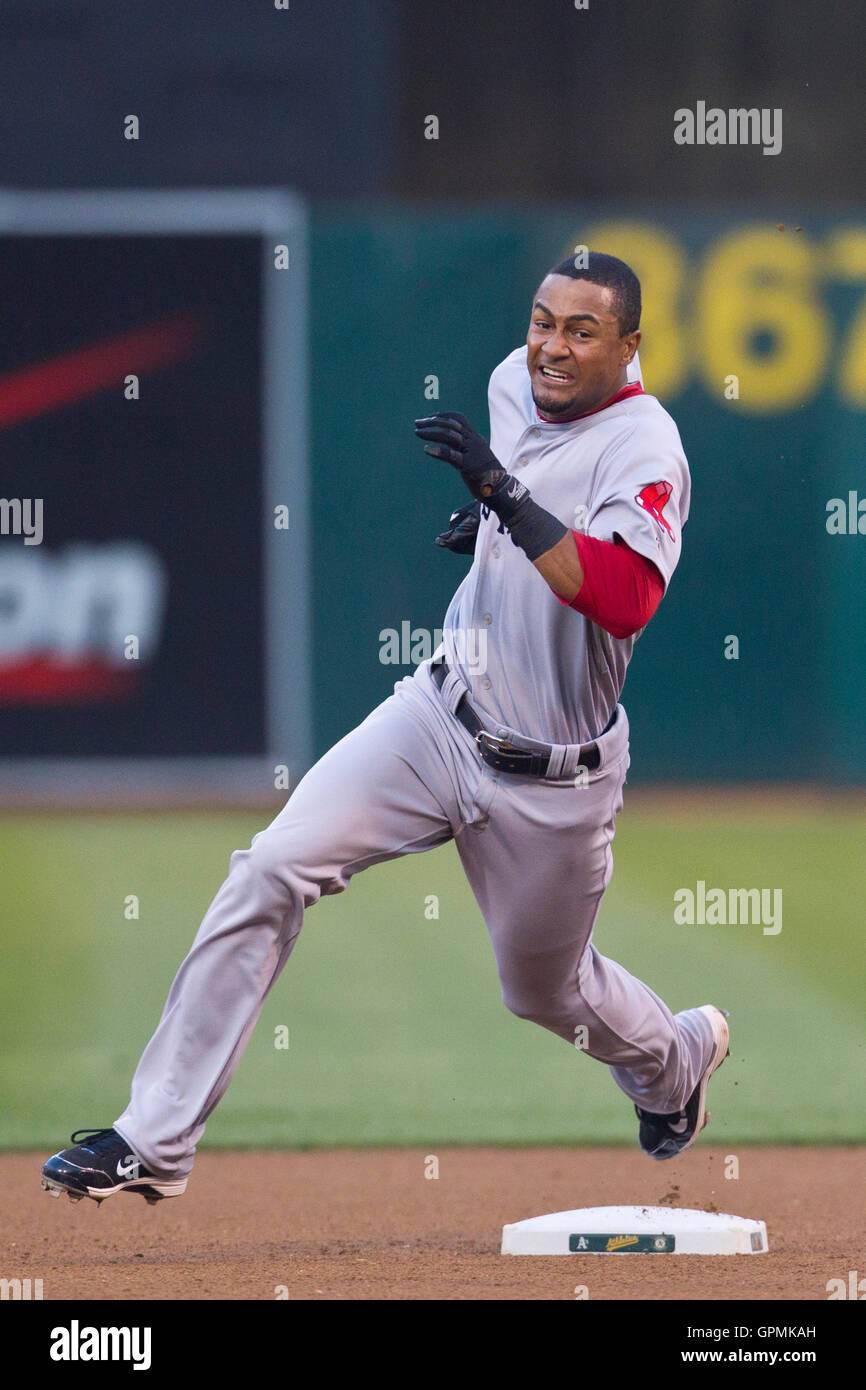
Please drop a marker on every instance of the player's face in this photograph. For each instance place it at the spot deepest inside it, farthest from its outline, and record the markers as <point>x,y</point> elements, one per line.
<point>576,357</point>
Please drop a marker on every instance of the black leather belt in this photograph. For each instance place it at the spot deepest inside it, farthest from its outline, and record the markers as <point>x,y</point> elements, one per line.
<point>498,752</point>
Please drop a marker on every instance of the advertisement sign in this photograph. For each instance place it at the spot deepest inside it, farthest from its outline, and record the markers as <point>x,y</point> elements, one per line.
<point>151,498</point>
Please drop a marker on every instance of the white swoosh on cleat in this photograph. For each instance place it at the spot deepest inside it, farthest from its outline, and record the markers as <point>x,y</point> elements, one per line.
<point>131,1168</point>
<point>679,1126</point>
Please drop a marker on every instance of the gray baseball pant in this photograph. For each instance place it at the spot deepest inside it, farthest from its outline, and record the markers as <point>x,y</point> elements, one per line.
<point>537,854</point>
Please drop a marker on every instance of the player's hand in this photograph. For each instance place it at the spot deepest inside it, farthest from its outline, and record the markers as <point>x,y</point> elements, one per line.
<point>462,529</point>
<point>452,438</point>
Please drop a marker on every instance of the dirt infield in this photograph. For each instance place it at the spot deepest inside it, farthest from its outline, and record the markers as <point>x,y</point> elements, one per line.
<point>368,1224</point>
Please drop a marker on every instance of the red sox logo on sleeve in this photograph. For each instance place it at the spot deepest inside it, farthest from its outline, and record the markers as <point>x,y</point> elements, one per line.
<point>653,498</point>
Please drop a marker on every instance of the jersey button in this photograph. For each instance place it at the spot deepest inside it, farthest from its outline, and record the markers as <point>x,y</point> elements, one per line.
<point>535,432</point>
<point>486,682</point>
<point>495,551</point>
<point>487,620</point>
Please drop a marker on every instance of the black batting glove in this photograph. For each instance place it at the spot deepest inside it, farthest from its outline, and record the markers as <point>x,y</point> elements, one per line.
<point>453,439</point>
<point>462,530</point>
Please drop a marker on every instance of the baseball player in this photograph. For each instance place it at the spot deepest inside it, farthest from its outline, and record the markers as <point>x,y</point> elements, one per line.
<point>574,517</point>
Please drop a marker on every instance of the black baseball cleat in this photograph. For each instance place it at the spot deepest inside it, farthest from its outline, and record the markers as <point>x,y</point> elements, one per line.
<point>100,1165</point>
<point>665,1136</point>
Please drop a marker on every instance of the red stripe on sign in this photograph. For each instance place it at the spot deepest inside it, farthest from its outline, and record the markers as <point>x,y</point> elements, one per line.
<point>45,680</point>
<point>86,371</point>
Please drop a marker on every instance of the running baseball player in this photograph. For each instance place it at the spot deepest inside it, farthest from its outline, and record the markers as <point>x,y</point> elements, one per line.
<point>574,514</point>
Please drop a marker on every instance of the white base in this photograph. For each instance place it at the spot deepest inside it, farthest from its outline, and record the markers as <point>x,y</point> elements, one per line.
<point>635,1230</point>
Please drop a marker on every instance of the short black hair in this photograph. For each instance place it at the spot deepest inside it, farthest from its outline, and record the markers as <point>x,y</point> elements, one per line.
<point>615,275</point>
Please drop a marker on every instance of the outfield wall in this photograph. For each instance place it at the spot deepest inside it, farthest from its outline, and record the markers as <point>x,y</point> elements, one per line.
<point>306,345</point>
<point>403,296</point>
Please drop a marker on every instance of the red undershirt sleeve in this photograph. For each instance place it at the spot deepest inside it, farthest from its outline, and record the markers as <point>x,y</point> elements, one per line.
<point>621,589</point>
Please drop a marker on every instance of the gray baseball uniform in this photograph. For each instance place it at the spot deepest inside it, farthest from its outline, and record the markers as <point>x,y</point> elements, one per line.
<point>537,852</point>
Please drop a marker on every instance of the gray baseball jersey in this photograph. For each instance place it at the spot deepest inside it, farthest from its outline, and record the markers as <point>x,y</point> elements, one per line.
<point>550,673</point>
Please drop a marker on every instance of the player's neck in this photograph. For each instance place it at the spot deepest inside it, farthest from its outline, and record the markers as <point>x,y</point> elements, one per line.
<point>631,388</point>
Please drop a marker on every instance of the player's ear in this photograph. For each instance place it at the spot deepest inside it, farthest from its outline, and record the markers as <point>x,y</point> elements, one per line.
<point>629,347</point>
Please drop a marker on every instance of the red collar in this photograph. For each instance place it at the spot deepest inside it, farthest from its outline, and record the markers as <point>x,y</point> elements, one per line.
<point>634,388</point>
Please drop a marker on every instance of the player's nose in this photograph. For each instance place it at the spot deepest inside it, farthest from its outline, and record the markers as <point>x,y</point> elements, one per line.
<point>555,348</point>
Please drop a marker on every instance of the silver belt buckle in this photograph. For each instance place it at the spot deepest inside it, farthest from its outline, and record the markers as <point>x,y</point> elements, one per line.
<point>499,745</point>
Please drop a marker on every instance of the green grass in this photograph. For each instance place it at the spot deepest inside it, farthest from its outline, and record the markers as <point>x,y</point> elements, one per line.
<point>397,1034</point>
